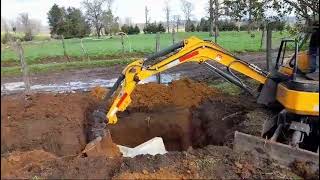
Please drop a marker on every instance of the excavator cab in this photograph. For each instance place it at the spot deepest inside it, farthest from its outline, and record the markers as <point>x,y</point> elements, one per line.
<point>292,84</point>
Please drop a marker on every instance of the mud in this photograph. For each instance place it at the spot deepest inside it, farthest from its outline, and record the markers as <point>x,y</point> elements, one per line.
<point>43,135</point>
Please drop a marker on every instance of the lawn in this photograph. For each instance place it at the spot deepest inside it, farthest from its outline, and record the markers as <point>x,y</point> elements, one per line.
<point>97,48</point>
<point>56,67</point>
<point>47,55</point>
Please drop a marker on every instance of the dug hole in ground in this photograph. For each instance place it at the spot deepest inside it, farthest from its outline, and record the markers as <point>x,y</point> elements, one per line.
<point>44,135</point>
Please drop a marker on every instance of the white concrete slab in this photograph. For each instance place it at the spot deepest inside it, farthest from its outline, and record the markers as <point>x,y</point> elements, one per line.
<point>153,146</point>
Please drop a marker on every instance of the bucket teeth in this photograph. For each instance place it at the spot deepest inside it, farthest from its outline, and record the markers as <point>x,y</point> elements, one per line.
<point>97,125</point>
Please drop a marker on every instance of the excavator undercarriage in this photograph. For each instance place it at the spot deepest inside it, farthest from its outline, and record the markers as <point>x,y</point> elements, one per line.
<point>291,135</point>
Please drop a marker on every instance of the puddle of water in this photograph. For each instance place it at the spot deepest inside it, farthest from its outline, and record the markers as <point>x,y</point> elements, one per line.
<point>15,87</point>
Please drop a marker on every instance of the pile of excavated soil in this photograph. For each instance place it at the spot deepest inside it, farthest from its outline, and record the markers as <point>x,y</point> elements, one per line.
<point>52,122</point>
<point>183,93</point>
<point>44,136</point>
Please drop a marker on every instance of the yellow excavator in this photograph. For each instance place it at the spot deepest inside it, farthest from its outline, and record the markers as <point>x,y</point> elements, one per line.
<point>291,135</point>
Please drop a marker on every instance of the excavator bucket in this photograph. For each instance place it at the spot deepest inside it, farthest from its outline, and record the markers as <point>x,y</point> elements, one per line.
<point>98,135</point>
<point>102,146</point>
<point>284,154</point>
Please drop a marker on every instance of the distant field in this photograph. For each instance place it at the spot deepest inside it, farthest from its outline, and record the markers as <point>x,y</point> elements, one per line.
<point>36,51</point>
<point>47,55</point>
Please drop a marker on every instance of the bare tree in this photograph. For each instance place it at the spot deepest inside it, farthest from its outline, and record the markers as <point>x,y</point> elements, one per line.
<point>128,21</point>
<point>176,20</point>
<point>25,21</point>
<point>28,26</point>
<point>187,8</point>
<point>108,17</point>
<point>109,4</point>
<point>215,8</point>
<point>13,25</point>
<point>167,11</point>
<point>146,14</point>
<point>211,15</point>
<point>305,9</point>
<point>4,25</point>
<point>94,13</point>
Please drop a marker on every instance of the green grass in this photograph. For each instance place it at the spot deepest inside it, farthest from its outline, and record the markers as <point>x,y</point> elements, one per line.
<point>55,67</point>
<point>145,43</point>
<point>226,87</point>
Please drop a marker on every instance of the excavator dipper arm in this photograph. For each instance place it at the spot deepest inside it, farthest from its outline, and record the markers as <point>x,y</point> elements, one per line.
<point>189,50</point>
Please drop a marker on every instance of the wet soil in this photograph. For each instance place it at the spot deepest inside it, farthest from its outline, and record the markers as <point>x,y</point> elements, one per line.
<point>43,135</point>
<point>190,70</point>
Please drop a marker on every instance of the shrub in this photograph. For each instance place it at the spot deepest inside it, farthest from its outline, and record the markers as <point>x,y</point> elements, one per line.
<point>6,38</point>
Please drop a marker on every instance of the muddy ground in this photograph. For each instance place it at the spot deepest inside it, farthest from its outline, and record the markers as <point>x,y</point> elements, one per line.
<point>187,70</point>
<point>43,136</point>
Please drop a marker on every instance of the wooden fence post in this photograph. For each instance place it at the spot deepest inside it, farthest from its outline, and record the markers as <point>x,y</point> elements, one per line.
<point>269,48</point>
<point>24,68</point>
<point>84,51</point>
<point>64,48</point>
<point>173,36</point>
<point>157,50</point>
<point>122,43</point>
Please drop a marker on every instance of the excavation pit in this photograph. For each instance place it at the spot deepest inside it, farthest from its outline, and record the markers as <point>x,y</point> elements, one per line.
<point>184,113</point>
<point>45,135</point>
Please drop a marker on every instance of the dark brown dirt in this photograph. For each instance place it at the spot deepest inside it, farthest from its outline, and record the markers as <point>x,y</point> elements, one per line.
<point>173,113</point>
<point>43,136</point>
<point>183,93</point>
<point>50,122</point>
<point>304,169</point>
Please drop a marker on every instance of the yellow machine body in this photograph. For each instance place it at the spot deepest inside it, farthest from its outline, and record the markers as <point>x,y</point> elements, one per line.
<point>303,64</point>
<point>298,102</point>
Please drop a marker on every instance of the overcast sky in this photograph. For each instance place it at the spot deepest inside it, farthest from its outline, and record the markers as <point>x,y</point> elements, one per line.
<point>38,9</point>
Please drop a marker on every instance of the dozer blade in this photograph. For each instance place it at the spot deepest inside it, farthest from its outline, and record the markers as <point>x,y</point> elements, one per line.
<point>282,153</point>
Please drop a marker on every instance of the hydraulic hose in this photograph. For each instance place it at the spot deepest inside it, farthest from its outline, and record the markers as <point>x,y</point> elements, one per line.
<point>165,51</point>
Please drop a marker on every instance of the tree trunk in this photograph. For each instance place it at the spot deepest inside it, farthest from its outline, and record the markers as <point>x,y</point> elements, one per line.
<point>269,48</point>
<point>216,16</point>
<point>98,30</point>
<point>177,26</point>
<point>24,68</point>
<point>216,33</point>
<point>263,35</point>
<point>250,17</point>
<point>211,18</point>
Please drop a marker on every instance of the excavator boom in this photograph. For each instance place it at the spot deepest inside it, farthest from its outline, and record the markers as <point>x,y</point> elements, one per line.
<point>189,50</point>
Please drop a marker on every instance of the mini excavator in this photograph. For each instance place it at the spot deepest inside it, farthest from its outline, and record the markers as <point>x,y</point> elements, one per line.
<point>292,134</point>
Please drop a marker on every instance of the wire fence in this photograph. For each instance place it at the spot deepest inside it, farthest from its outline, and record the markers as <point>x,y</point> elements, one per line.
<point>66,54</point>
<point>114,46</point>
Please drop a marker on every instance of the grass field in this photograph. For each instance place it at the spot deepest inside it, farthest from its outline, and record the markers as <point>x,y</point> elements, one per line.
<point>34,51</point>
<point>56,67</point>
<point>45,56</point>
